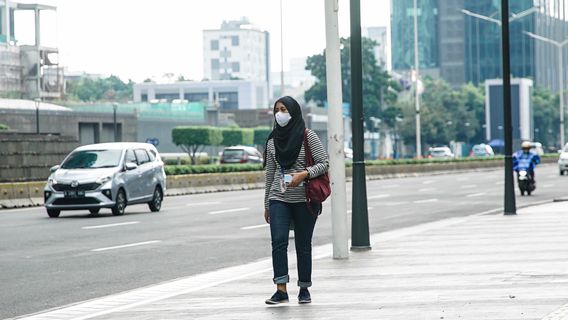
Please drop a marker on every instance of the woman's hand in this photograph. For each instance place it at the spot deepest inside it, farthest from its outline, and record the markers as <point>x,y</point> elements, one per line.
<point>267,216</point>
<point>297,178</point>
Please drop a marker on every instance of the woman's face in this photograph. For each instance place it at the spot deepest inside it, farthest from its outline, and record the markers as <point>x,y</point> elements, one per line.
<point>280,107</point>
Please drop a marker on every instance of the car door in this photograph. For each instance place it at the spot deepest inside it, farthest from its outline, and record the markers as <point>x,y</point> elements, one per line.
<point>130,177</point>
<point>145,176</point>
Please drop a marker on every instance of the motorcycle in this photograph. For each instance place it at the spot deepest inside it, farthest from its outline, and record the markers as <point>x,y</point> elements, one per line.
<point>525,182</point>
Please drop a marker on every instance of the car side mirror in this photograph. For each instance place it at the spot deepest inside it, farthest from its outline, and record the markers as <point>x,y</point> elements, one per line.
<point>54,168</point>
<point>130,166</point>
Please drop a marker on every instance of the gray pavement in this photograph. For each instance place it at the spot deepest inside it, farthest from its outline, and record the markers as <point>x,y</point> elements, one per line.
<point>483,266</point>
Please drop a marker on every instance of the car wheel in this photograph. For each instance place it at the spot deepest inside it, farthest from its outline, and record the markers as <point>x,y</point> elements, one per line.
<point>156,202</point>
<point>120,203</point>
<point>94,211</point>
<point>562,172</point>
<point>53,213</point>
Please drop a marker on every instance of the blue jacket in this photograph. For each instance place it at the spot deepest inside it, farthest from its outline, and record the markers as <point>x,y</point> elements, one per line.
<point>525,161</point>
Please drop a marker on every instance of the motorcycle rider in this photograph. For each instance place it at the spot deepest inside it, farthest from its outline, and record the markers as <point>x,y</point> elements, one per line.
<point>525,159</point>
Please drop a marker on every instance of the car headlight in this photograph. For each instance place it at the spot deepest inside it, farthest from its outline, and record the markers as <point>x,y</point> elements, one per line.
<point>103,180</point>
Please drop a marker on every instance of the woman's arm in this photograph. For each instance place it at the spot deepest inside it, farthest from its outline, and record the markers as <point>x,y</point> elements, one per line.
<point>321,160</point>
<point>270,170</point>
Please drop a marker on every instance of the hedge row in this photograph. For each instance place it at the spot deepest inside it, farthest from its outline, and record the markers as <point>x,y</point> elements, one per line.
<point>214,168</point>
<point>4,127</point>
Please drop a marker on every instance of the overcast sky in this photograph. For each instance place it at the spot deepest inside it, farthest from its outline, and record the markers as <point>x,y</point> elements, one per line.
<point>138,39</point>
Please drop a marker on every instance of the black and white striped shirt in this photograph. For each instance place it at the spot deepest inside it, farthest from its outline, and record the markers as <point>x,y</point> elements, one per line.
<point>274,176</point>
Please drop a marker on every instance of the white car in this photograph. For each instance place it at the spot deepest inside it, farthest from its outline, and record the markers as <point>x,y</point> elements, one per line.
<point>440,153</point>
<point>563,161</point>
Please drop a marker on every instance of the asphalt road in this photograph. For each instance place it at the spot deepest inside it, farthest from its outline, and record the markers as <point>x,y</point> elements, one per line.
<point>48,263</point>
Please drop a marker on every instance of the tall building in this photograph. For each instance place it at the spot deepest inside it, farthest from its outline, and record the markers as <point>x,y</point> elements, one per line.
<point>27,71</point>
<point>238,50</point>
<point>461,48</point>
<point>380,35</point>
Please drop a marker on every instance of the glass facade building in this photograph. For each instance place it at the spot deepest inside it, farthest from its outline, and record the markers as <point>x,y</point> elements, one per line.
<point>402,34</point>
<point>465,49</point>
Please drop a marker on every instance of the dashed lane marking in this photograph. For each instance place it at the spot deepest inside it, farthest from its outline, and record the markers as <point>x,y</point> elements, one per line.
<point>476,195</point>
<point>379,196</point>
<point>426,201</point>
<point>229,210</point>
<point>256,227</point>
<point>110,225</point>
<point>126,245</point>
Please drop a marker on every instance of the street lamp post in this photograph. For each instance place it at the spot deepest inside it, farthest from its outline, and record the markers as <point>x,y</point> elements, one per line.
<point>37,102</point>
<point>114,107</point>
<point>560,47</point>
<point>417,73</point>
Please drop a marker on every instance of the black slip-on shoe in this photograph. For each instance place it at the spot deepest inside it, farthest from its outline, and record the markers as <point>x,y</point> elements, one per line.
<point>304,296</point>
<point>278,297</point>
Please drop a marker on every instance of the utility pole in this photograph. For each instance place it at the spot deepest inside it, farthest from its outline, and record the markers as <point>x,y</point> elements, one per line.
<point>510,206</point>
<point>360,240</point>
<point>417,75</point>
<point>335,132</point>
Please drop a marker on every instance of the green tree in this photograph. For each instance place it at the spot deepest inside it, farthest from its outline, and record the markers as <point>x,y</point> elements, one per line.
<point>445,115</point>
<point>237,136</point>
<point>4,127</point>
<point>379,90</point>
<point>546,117</point>
<point>107,89</point>
<point>193,139</point>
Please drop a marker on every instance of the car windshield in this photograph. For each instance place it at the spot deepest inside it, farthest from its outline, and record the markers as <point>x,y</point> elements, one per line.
<point>438,152</point>
<point>92,159</point>
<point>231,154</point>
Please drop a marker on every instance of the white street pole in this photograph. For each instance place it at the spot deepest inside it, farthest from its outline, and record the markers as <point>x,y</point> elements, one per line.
<point>561,93</point>
<point>281,53</point>
<point>335,132</point>
<point>417,73</point>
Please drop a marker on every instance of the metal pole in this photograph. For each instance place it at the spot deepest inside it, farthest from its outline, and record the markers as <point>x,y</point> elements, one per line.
<point>561,92</point>
<point>417,74</point>
<point>281,53</point>
<point>335,133</point>
<point>37,101</point>
<point>360,217</point>
<point>510,206</point>
<point>114,107</point>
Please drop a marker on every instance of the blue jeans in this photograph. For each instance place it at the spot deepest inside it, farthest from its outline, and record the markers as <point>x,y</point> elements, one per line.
<point>281,215</point>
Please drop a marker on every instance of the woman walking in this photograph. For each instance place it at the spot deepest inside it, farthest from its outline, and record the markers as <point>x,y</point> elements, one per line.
<point>285,195</point>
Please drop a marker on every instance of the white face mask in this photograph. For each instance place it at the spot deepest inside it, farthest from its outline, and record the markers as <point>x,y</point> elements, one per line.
<point>282,118</point>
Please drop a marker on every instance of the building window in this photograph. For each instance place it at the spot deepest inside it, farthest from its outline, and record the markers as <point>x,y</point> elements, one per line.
<point>235,41</point>
<point>144,97</point>
<point>214,45</point>
<point>236,67</point>
<point>215,64</point>
<point>196,97</point>
<point>229,100</point>
<point>167,96</point>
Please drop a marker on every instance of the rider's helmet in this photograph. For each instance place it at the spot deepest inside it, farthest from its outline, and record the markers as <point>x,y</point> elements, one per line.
<point>526,145</point>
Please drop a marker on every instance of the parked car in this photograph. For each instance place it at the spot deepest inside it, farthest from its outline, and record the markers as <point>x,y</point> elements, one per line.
<point>240,154</point>
<point>563,161</point>
<point>482,150</point>
<point>440,153</point>
<point>106,175</point>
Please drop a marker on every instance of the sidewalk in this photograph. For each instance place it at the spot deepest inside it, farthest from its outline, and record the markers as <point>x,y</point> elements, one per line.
<point>479,267</point>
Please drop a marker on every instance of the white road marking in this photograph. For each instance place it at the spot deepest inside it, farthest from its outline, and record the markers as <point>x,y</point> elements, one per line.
<point>548,186</point>
<point>126,245</point>
<point>201,204</point>
<point>379,196</point>
<point>426,201</point>
<point>110,225</point>
<point>368,208</point>
<point>390,186</point>
<point>426,189</point>
<point>392,204</point>
<point>229,210</point>
<point>500,183</point>
<point>256,227</point>
<point>468,186</point>
<point>475,195</point>
<point>428,181</point>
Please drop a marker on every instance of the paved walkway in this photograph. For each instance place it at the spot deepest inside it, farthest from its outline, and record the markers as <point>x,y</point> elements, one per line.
<point>479,267</point>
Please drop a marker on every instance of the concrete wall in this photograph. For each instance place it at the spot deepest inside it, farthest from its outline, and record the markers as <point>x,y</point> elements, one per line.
<point>28,157</point>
